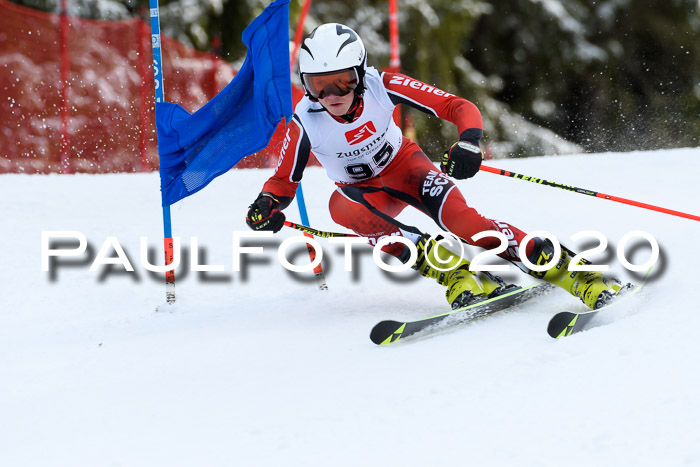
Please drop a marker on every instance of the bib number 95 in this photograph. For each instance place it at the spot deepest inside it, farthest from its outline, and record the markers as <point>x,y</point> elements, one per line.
<point>365,170</point>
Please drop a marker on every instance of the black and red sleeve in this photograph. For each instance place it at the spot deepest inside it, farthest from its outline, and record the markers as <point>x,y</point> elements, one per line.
<point>434,101</point>
<point>291,163</point>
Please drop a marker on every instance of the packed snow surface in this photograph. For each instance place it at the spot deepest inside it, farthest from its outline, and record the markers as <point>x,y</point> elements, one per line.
<point>260,368</point>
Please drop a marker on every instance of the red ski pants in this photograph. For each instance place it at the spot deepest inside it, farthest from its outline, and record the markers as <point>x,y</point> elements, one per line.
<point>369,207</point>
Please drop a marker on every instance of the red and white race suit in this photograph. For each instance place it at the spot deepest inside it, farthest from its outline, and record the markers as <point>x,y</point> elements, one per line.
<point>378,171</point>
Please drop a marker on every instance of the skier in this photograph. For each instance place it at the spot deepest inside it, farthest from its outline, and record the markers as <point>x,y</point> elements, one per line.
<point>346,119</point>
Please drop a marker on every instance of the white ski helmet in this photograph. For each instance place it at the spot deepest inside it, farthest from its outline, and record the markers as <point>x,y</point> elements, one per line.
<point>332,47</point>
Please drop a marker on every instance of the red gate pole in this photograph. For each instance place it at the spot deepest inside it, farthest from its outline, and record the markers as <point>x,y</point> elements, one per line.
<point>64,166</point>
<point>395,62</point>
<point>318,270</point>
<point>299,34</point>
<point>146,74</point>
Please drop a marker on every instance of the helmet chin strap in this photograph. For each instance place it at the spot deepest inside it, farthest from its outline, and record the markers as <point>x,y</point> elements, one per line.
<point>350,115</point>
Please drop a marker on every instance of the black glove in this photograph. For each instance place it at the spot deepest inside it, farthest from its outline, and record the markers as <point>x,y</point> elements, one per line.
<point>264,215</point>
<point>462,160</point>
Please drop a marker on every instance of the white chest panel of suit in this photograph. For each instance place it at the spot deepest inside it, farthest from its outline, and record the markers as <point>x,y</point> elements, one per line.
<point>352,152</point>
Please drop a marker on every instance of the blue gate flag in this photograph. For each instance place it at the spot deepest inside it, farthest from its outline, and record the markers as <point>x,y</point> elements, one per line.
<point>239,121</point>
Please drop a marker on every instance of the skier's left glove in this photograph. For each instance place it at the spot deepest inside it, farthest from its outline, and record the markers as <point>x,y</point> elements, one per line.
<point>264,214</point>
<point>462,160</point>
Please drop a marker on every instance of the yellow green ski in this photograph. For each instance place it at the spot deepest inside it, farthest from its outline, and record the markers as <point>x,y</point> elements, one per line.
<point>387,332</point>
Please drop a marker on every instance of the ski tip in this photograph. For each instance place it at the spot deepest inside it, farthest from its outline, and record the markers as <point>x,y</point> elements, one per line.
<point>561,323</point>
<point>386,332</point>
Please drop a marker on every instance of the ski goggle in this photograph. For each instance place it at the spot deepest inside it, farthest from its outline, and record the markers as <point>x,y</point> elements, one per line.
<point>339,83</point>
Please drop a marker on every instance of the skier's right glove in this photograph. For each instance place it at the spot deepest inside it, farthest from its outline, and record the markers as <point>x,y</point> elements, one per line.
<point>462,160</point>
<point>264,215</point>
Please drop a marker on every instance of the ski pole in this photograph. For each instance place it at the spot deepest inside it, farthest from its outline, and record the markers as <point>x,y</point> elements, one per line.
<point>317,233</point>
<point>583,191</point>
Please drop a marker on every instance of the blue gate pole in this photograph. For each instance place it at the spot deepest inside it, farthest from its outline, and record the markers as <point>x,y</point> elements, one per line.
<point>318,270</point>
<point>160,97</point>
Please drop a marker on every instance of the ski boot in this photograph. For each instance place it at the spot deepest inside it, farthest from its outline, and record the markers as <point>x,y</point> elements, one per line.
<point>463,286</point>
<point>594,290</point>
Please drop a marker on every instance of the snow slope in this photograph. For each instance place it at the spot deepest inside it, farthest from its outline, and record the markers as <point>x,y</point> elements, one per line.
<point>262,369</point>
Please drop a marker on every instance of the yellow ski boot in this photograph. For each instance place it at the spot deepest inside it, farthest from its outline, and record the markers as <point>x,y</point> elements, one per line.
<point>594,290</point>
<point>463,286</point>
